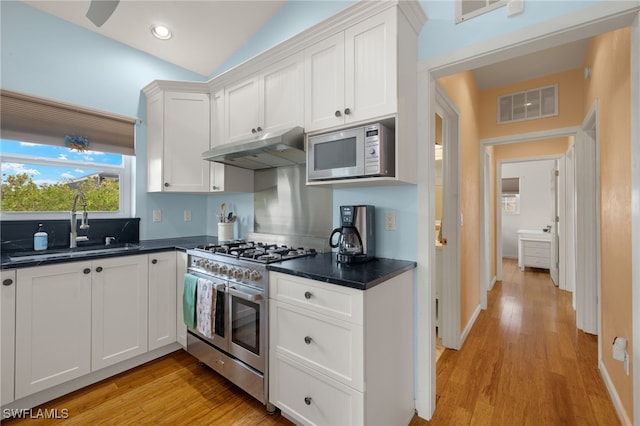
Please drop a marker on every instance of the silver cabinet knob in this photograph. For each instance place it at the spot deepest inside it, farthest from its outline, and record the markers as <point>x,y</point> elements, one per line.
<point>307,295</point>
<point>307,340</point>
<point>8,281</point>
<point>338,113</point>
<point>259,129</point>
<point>166,184</point>
<point>307,400</point>
<point>347,111</point>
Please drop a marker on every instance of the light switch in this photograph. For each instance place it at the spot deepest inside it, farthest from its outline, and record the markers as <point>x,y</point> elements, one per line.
<point>157,215</point>
<point>187,215</point>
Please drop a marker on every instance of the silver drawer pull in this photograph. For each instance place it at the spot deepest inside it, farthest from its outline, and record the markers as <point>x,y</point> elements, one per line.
<point>307,340</point>
<point>307,400</point>
<point>307,295</point>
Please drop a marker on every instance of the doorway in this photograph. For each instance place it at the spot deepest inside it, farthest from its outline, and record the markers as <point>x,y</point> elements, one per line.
<point>498,49</point>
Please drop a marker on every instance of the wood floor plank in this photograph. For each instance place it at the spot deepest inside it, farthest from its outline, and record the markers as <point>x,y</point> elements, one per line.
<point>523,363</point>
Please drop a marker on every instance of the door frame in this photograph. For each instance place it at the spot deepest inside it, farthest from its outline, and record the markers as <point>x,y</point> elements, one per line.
<point>600,18</point>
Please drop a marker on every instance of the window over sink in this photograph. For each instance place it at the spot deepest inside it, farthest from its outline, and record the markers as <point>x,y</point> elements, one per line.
<point>40,180</point>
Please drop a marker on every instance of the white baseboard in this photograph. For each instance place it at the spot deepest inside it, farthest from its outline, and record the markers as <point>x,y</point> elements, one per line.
<point>622,414</point>
<point>469,326</point>
<point>493,282</point>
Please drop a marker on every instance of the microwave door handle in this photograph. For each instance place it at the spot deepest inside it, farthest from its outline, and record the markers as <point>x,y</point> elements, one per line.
<point>245,296</point>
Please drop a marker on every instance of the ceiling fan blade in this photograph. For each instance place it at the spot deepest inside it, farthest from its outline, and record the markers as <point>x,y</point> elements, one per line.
<point>100,10</point>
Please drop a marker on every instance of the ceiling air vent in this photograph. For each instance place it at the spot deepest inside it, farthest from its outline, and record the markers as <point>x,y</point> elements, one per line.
<point>527,105</point>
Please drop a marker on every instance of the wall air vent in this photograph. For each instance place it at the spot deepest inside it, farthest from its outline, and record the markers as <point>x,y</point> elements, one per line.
<point>535,103</point>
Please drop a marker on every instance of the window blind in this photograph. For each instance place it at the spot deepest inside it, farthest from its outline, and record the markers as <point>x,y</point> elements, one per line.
<point>510,185</point>
<point>27,118</point>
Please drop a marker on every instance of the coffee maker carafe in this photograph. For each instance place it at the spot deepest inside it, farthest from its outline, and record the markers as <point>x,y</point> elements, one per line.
<point>356,240</point>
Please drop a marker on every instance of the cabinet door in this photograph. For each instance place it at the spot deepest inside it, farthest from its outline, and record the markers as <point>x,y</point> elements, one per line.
<point>225,178</point>
<point>8,331</point>
<point>53,326</point>
<point>324,84</point>
<point>162,299</point>
<point>242,112</point>
<point>155,143</point>
<point>181,269</point>
<point>186,137</point>
<point>282,95</point>
<point>119,309</point>
<point>370,67</point>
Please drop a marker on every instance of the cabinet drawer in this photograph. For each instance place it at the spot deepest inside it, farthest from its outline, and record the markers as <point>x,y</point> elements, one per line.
<point>311,399</point>
<point>536,262</point>
<point>329,299</point>
<point>536,252</point>
<point>329,346</point>
<point>535,245</point>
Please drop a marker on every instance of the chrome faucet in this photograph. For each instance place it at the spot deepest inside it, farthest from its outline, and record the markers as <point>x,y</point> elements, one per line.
<point>84,224</point>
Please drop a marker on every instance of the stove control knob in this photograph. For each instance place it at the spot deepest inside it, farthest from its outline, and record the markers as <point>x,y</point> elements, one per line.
<point>255,275</point>
<point>231,272</point>
<point>239,273</point>
<point>222,269</point>
<point>215,267</point>
<point>200,262</point>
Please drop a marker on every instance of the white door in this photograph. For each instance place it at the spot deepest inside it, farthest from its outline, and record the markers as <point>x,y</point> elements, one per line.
<point>53,326</point>
<point>370,68</point>
<point>119,309</point>
<point>242,112</point>
<point>8,332</point>
<point>162,299</point>
<point>186,137</point>
<point>555,219</point>
<point>324,84</point>
<point>282,95</point>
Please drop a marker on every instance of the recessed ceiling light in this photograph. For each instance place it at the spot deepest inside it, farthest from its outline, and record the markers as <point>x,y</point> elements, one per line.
<point>161,32</point>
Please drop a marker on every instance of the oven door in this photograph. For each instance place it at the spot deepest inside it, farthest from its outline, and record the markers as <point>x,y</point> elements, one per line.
<point>247,325</point>
<point>220,336</point>
<point>336,155</point>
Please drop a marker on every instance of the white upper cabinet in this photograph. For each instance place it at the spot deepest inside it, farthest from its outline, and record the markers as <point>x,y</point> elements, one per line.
<point>351,76</point>
<point>225,178</point>
<point>177,135</point>
<point>269,101</point>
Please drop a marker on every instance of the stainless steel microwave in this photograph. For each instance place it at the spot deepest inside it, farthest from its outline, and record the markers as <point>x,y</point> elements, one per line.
<point>365,151</point>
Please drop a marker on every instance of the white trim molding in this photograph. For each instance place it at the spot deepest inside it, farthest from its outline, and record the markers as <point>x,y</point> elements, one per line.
<point>615,398</point>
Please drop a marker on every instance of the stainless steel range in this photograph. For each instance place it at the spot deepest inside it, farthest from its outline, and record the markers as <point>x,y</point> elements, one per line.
<point>237,347</point>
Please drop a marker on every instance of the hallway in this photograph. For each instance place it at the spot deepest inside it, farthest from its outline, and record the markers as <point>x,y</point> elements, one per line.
<point>524,362</point>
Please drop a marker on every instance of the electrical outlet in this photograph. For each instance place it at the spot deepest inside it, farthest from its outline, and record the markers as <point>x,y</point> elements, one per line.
<point>187,215</point>
<point>157,215</point>
<point>390,221</point>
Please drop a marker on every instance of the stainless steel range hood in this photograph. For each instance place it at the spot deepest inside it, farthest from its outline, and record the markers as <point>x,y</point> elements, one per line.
<point>275,149</point>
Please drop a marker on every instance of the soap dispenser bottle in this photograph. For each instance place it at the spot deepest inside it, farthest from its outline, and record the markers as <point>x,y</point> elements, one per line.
<point>40,239</point>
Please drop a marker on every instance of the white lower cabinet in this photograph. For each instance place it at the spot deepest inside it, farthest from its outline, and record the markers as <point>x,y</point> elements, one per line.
<point>53,325</point>
<point>75,318</point>
<point>162,299</point>
<point>181,269</point>
<point>119,309</point>
<point>340,356</point>
<point>8,333</point>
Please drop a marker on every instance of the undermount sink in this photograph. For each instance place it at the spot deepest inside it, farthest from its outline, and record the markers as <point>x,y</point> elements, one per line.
<point>71,252</point>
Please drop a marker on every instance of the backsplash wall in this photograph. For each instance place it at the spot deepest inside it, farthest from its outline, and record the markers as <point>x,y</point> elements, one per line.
<point>17,235</point>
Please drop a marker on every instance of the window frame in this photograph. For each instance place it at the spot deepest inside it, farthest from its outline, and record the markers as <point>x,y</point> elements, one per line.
<point>125,172</point>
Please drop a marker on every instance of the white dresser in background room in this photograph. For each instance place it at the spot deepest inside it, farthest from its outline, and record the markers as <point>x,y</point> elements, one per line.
<point>534,249</point>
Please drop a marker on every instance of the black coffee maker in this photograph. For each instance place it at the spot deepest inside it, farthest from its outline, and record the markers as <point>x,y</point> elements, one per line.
<point>356,240</point>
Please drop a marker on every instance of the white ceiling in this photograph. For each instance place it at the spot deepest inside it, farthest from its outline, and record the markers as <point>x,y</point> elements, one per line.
<point>207,32</point>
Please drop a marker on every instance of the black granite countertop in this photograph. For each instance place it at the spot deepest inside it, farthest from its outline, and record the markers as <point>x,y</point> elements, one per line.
<point>361,276</point>
<point>321,267</point>
<point>86,253</point>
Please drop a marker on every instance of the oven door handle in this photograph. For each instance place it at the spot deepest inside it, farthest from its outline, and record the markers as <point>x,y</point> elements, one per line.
<point>219,286</point>
<point>242,295</point>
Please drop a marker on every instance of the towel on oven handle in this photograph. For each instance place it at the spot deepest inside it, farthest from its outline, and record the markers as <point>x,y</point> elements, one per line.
<point>189,300</point>
<point>205,307</point>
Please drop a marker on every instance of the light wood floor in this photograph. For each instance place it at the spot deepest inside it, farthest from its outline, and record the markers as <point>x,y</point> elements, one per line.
<point>173,390</point>
<point>523,363</point>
